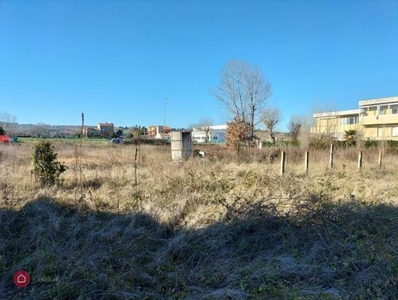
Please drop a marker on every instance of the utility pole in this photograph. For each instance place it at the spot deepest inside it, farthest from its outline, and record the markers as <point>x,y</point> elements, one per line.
<point>82,130</point>
<point>164,121</point>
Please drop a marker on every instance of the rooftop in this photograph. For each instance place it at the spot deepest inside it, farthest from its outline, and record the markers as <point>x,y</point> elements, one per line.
<point>333,114</point>
<point>378,101</point>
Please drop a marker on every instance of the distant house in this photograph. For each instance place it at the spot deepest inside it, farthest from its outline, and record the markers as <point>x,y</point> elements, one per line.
<point>91,132</point>
<point>106,129</point>
<point>210,134</point>
<point>159,132</point>
<point>199,135</point>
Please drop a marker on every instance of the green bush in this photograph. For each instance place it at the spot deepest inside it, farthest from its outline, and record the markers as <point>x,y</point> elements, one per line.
<point>371,144</point>
<point>392,144</point>
<point>146,141</point>
<point>268,144</point>
<point>279,144</point>
<point>46,168</point>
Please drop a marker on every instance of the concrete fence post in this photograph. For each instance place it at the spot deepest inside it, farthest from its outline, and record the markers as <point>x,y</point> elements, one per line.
<point>360,160</point>
<point>283,158</point>
<point>306,162</point>
<point>331,157</point>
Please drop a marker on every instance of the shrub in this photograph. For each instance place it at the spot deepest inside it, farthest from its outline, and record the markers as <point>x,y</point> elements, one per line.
<point>237,134</point>
<point>391,147</point>
<point>371,144</point>
<point>321,141</point>
<point>392,144</point>
<point>268,144</point>
<point>47,169</point>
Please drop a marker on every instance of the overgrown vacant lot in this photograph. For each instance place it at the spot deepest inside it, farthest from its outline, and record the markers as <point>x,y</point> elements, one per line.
<point>131,224</point>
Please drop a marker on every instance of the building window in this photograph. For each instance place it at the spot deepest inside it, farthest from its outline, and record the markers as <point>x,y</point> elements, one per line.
<point>383,109</point>
<point>349,120</point>
<point>394,131</point>
<point>380,132</point>
<point>394,109</point>
<point>372,110</point>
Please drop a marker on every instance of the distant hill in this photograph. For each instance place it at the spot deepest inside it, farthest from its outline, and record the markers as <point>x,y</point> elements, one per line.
<point>43,130</point>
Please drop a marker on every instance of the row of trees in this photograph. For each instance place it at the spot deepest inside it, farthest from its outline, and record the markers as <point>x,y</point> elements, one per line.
<point>7,120</point>
<point>243,91</point>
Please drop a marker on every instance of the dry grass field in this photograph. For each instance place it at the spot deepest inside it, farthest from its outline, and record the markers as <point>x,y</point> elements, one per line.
<point>129,223</point>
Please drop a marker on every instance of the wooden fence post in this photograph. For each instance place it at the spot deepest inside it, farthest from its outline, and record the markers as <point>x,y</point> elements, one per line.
<point>282,162</point>
<point>306,162</point>
<point>380,158</point>
<point>360,160</point>
<point>331,157</point>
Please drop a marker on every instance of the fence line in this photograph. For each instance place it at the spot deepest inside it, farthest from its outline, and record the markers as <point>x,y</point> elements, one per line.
<point>330,162</point>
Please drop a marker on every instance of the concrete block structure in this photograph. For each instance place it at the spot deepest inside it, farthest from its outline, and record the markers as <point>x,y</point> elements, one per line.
<point>181,145</point>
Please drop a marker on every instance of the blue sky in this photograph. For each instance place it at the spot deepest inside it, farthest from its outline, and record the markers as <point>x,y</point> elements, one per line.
<point>117,61</point>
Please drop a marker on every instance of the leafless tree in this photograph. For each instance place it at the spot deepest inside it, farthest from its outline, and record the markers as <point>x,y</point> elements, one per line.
<point>205,125</point>
<point>6,117</point>
<point>41,130</point>
<point>327,124</point>
<point>294,127</point>
<point>271,116</point>
<point>243,91</point>
<point>8,121</point>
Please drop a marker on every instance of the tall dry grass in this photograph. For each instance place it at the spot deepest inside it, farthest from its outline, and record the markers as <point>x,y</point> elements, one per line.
<point>133,227</point>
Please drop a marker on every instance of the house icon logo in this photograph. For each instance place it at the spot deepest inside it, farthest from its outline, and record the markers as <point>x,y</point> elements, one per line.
<point>21,278</point>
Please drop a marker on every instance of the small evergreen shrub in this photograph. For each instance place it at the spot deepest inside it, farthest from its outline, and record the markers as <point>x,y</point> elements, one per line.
<point>371,144</point>
<point>46,168</point>
<point>392,144</point>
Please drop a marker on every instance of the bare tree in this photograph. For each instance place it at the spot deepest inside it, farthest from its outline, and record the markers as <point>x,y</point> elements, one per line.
<point>8,121</point>
<point>294,127</point>
<point>6,117</point>
<point>205,125</point>
<point>327,122</point>
<point>243,91</point>
<point>41,130</point>
<point>271,116</point>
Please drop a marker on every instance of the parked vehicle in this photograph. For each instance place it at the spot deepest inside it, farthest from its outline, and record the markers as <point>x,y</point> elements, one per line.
<point>117,140</point>
<point>5,139</point>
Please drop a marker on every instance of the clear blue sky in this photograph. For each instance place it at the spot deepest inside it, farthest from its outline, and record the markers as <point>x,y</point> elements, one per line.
<point>117,61</point>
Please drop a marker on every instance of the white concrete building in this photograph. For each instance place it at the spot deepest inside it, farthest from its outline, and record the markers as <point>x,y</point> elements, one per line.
<point>216,134</point>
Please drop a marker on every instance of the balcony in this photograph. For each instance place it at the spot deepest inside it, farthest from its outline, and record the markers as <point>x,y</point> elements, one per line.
<point>379,120</point>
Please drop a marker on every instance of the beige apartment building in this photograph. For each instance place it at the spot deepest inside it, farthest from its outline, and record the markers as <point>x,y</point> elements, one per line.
<point>375,119</point>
